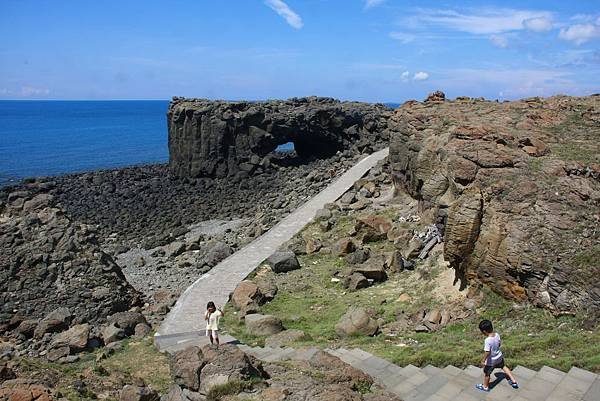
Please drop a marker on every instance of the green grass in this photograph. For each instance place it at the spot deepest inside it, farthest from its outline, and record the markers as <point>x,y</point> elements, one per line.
<point>232,387</point>
<point>138,358</point>
<point>141,359</point>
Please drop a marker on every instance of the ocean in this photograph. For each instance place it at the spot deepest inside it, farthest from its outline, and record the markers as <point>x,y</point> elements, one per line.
<point>45,138</point>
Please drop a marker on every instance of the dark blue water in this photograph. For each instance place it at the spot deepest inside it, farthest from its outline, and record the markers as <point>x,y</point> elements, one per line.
<point>41,138</point>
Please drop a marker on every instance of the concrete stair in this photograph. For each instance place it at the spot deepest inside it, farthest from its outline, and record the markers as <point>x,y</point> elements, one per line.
<point>432,383</point>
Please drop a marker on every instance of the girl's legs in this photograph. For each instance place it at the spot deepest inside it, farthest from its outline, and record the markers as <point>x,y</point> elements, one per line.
<point>209,335</point>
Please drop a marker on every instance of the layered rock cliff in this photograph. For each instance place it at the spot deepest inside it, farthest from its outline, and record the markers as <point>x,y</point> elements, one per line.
<point>518,184</point>
<point>217,139</point>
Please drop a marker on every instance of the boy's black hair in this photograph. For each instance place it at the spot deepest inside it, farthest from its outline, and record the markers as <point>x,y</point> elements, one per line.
<point>486,326</point>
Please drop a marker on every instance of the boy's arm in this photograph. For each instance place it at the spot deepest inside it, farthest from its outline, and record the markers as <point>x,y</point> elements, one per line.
<point>486,354</point>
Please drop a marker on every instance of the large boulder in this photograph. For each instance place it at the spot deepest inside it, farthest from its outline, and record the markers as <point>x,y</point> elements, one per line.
<point>373,269</point>
<point>200,369</point>
<point>76,338</point>
<point>246,294</point>
<point>262,325</point>
<point>343,247</point>
<point>282,262</point>
<point>216,253</point>
<point>356,321</point>
<point>56,321</point>
<point>127,321</point>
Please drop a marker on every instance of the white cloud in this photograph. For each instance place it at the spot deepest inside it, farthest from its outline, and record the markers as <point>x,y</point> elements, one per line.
<point>499,41</point>
<point>538,24</point>
<point>286,12</point>
<point>580,33</point>
<point>27,91</point>
<point>373,3</point>
<point>405,76</point>
<point>420,76</point>
<point>403,37</point>
<point>485,22</point>
<point>513,83</point>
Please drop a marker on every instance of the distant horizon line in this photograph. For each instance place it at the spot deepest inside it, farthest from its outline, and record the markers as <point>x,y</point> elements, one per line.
<point>184,97</point>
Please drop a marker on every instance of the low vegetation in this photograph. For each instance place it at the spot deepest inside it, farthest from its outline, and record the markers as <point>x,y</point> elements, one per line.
<point>90,378</point>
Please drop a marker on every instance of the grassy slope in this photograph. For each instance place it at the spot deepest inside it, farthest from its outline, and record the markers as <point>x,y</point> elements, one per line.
<point>310,301</point>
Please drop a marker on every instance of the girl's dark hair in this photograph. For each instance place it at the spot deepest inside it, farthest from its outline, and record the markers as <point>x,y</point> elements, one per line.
<point>211,304</point>
<point>486,326</point>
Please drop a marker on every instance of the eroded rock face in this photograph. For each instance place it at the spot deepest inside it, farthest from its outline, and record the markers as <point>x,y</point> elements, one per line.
<point>218,139</point>
<point>50,263</point>
<point>519,217</point>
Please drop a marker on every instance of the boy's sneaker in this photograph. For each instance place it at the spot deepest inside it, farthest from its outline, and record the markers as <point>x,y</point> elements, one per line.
<point>480,387</point>
<point>513,384</point>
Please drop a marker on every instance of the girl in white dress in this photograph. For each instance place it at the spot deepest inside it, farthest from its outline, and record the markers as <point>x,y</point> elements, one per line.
<point>212,317</point>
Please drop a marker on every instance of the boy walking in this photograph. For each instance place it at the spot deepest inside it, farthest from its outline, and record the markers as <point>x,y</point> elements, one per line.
<point>492,357</point>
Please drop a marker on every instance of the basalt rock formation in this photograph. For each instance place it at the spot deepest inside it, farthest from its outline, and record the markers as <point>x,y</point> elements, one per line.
<point>518,185</point>
<point>49,262</point>
<point>218,139</point>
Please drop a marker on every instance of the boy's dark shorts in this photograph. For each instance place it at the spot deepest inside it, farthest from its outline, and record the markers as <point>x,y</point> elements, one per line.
<point>487,370</point>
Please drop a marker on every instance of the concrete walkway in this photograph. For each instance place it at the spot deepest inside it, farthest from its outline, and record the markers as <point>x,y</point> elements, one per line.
<point>185,322</point>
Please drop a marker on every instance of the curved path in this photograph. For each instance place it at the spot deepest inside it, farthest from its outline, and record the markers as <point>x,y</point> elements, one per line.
<point>184,323</point>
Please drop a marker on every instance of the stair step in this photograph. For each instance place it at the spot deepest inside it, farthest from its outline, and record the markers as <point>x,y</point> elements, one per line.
<point>409,370</point>
<point>538,388</point>
<point>593,393</point>
<point>452,370</point>
<point>573,386</point>
<point>473,371</point>
<point>550,374</point>
<point>412,377</point>
<point>523,374</point>
<point>431,370</point>
<point>304,354</point>
<point>359,353</point>
<point>428,388</point>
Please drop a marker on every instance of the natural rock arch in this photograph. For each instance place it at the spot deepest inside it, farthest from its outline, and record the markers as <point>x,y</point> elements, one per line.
<point>217,138</point>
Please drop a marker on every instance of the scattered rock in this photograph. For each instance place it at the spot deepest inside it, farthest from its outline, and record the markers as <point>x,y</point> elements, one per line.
<point>356,321</point>
<point>137,393</point>
<point>76,338</point>
<point>112,333</point>
<point>56,321</point>
<point>344,246</point>
<point>356,281</point>
<point>262,325</point>
<point>142,330</point>
<point>282,262</point>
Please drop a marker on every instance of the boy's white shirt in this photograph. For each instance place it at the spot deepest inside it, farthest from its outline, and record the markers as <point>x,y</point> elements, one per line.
<point>213,320</point>
<point>492,345</point>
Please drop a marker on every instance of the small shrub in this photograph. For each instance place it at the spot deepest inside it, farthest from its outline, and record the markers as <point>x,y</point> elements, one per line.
<point>232,387</point>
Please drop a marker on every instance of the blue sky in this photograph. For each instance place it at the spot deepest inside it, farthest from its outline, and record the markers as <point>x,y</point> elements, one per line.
<point>370,50</point>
